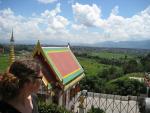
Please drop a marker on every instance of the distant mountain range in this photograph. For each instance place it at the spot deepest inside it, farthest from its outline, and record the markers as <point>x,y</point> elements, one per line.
<point>125,44</point>
<point>110,44</point>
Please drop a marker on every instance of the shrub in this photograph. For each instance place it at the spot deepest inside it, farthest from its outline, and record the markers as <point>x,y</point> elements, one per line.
<point>125,86</point>
<point>95,110</point>
<point>51,108</point>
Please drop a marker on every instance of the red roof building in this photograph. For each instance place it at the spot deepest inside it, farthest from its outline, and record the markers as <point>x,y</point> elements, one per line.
<point>1,50</point>
<point>62,71</point>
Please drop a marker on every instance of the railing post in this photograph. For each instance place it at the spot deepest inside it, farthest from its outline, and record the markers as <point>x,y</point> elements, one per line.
<point>99,100</point>
<point>128,104</point>
<point>93,99</point>
<point>120,104</point>
<point>106,103</point>
<point>113,104</point>
<point>136,104</point>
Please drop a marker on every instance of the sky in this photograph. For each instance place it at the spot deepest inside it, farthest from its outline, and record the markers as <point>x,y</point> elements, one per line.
<point>74,21</point>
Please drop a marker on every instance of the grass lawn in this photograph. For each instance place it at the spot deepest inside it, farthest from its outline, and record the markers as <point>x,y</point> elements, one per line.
<point>4,62</point>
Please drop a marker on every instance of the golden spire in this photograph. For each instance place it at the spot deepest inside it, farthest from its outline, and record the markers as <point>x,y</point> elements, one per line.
<point>12,53</point>
<point>12,37</point>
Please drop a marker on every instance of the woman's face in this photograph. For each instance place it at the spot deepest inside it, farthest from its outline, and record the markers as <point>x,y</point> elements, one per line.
<point>37,81</point>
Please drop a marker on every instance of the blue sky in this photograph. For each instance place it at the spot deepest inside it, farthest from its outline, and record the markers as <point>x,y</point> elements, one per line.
<point>74,21</point>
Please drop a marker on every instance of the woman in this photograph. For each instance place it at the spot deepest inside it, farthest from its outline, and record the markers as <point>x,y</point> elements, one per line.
<point>17,87</point>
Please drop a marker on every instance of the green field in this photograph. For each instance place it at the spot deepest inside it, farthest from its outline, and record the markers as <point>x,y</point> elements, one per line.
<point>91,66</point>
<point>110,55</point>
<point>3,62</point>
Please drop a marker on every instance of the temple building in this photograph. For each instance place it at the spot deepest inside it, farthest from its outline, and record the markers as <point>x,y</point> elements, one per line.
<point>62,72</point>
<point>1,49</point>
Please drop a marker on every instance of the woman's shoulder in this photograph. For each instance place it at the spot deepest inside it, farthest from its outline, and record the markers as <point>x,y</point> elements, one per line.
<point>7,108</point>
<point>3,105</point>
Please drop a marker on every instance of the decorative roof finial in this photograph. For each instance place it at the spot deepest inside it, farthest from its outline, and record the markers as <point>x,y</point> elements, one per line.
<point>68,45</point>
<point>12,37</point>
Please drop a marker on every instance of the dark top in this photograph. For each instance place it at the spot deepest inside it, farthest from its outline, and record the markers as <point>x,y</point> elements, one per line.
<point>7,108</point>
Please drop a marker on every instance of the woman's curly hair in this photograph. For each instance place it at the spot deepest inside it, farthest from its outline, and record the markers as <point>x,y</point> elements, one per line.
<point>9,86</point>
<point>20,72</point>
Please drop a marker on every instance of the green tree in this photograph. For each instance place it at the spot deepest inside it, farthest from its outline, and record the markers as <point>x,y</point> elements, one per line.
<point>125,86</point>
<point>130,66</point>
<point>145,61</point>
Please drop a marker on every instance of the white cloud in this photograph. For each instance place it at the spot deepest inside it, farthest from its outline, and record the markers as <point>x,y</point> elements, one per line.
<point>43,27</point>
<point>87,15</point>
<point>88,27</point>
<point>47,1</point>
<point>54,12</point>
<point>78,27</point>
<point>117,28</point>
<point>54,20</point>
<point>135,27</point>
